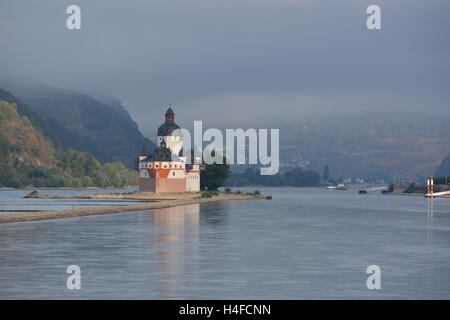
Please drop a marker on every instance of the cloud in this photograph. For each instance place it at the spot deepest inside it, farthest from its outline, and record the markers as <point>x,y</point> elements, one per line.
<point>243,60</point>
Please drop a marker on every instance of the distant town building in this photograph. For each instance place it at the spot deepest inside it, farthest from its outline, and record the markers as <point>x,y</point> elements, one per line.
<point>166,169</point>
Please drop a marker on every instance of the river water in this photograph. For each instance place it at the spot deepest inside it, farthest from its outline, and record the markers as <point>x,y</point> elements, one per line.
<point>13,201</point>
<point>306,243</point>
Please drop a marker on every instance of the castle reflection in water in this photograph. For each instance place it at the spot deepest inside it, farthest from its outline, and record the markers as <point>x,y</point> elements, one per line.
<point>176,234</point>
<point>177,224</point>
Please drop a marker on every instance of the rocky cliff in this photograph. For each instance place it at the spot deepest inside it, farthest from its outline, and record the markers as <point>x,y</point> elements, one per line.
<point>444,168</point>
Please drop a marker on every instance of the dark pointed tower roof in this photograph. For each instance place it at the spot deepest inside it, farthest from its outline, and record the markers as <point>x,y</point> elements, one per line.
<point>169,125</point>
<point>170,111</point>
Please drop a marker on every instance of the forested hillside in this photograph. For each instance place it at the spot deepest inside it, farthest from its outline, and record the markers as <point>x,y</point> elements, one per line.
<point>28,157</point>
<point>100,125</point>
<point>369,145</point>
<point>21,144</point>
<point>24,110</point>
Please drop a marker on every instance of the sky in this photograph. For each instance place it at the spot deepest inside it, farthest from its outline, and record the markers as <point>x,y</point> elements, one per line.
<point>249,63</point>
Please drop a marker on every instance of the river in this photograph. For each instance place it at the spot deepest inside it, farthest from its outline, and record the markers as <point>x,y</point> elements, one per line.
<point>306,243</point>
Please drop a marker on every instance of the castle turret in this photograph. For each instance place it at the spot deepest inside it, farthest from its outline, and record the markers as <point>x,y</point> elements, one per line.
<point>166,133</point>
<point>167,128</point>
<point>170,115</point>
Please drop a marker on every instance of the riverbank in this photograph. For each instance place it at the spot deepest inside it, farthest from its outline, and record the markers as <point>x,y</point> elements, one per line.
<point>150,201</point>
<point>66,188</point>
<point>414,194</point>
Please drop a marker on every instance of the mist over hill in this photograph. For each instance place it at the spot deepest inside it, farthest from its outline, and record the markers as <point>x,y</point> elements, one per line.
<point>444,167</point>
<point>99,126</point>
<point>368,145</point>
<point>248,64</point>
<point>31,156</point>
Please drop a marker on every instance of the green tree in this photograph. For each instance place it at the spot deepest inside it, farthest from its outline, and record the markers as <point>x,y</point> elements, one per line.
<point>214,175</point>
<point>326,174</point>
<point>411,188</point>
<point>391,188</point>
<point>310,178</point>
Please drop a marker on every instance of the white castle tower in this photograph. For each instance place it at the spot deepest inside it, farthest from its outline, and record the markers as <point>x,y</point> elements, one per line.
<point>165,169</point>
<point>166,133</point>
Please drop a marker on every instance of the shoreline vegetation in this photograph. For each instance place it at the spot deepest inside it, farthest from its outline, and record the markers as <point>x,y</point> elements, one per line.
<point>73,170</point>
<point>415,194</point>
<point>293,178</point>
<point>147,201</point>
<point>413,189</point>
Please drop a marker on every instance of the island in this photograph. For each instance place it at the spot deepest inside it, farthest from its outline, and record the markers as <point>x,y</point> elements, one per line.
<point>146,201</point>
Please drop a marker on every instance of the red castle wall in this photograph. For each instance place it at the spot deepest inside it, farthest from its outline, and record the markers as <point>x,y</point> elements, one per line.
<point>158,182</point>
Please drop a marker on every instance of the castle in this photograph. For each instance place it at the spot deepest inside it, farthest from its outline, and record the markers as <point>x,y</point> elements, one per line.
<point>166,169</point>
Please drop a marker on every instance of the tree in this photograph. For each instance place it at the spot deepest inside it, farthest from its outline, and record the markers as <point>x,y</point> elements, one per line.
<point>310,178</point>
<point>214,175</point>
<point>411,188</point>
<point>326,174</point>
<point>299,177</point>
<point>391,188</point>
